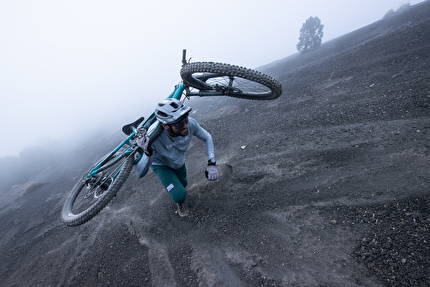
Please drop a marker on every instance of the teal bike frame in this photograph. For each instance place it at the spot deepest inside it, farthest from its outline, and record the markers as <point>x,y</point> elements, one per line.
<point>150,124</point>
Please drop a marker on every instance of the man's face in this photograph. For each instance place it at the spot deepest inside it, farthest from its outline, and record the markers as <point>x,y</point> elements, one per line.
<point>179,129</point>
<point>182,131</point>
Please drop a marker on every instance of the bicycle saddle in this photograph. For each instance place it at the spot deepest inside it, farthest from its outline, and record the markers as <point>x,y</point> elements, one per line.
<point>128,129</point>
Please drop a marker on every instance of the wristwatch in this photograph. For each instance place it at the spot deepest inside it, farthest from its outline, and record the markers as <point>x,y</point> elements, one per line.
<point>211,162</point>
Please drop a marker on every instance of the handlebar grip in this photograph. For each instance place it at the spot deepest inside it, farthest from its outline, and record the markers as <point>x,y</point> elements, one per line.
<point>184,56</point>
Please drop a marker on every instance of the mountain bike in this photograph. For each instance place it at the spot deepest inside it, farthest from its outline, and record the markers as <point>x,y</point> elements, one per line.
<point>96,188</point>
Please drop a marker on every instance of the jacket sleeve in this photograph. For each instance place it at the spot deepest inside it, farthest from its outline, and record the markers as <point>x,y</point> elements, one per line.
<point>207,139</point>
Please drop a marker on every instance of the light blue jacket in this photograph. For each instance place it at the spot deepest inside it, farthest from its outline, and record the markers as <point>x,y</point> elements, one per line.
<point>170,151</point>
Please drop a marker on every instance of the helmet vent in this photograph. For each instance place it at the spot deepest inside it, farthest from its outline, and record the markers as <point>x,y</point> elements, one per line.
<point>161,114</point>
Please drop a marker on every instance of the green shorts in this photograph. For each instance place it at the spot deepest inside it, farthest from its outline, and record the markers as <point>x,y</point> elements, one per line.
<point>173,180</point>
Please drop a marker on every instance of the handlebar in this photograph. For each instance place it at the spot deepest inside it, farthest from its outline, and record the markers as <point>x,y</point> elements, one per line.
<point>184,56</point>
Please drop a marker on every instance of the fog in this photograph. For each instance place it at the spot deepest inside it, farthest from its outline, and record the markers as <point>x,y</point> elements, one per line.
<point>70,68</point>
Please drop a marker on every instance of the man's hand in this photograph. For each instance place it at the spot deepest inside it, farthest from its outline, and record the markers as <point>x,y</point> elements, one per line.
<point>143,143</point>
<point>211,173</point>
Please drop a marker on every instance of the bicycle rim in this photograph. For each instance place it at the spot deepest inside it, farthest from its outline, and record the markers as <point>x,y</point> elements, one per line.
<point>91,195</point>
<point>231,80</point>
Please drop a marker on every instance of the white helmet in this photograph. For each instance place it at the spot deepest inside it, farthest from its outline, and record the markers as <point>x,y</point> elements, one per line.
<point>170,111</point>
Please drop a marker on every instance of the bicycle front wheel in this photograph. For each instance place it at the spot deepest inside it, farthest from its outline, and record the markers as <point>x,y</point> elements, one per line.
<point>230,80</point>
<point>91,194</point>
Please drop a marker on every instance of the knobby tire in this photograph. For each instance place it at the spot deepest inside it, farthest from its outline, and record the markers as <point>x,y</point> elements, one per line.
<point>235,81</point>
<point>68,216</point>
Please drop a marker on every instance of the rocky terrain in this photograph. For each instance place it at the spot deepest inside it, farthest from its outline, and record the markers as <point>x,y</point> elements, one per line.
<point>327,185</point>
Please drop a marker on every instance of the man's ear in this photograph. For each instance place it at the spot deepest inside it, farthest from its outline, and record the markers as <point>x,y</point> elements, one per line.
<point>166,127</point>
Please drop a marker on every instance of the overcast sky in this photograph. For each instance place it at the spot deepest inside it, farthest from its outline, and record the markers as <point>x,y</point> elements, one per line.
<point>67,67</point>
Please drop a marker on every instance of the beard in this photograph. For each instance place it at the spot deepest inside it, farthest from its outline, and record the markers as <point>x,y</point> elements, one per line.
<point>183,132</point>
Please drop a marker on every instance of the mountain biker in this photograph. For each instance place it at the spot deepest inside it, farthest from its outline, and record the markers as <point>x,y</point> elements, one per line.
<point>166,155</point>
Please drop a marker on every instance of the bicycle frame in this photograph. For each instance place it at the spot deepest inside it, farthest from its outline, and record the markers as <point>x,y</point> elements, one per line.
<point>131,150</point>
<point>180,90</point>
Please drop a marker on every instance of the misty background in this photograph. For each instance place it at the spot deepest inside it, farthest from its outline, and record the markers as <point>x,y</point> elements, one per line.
<point>69,69</point>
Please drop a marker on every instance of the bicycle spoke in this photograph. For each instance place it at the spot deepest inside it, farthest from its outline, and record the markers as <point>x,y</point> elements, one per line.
<point>97,185</point>
<point>237,84</point>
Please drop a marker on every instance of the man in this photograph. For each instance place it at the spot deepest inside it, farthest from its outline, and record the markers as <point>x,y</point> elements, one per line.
<point>166,155</point>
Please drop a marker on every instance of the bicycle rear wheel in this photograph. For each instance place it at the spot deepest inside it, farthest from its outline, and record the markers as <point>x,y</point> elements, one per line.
<point>91,194</point>
<point>230,80</point>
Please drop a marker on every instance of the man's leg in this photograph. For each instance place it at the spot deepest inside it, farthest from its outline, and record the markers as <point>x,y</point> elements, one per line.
<point>182,175</point>
<point>173,181</point>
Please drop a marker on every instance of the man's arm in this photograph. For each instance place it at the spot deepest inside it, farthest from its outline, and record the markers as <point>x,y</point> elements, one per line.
<point>211,171</point>
<point>202,134</point>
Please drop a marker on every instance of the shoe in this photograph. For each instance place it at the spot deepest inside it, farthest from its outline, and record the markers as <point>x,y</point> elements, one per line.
<point>182,209</point>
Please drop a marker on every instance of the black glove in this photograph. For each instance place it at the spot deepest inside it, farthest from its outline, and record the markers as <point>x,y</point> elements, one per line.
<point>143,143</point>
